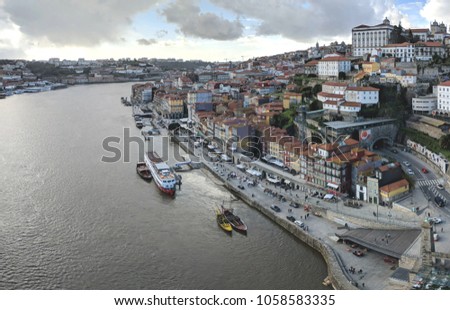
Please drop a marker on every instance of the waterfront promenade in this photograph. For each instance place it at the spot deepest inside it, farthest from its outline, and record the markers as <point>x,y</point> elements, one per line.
<point>372,272</point>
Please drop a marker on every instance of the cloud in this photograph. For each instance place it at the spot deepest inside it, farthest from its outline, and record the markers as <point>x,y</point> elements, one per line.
<point>74,22</point>
<point>438,10</point>
<point>147,41</point>
<point>161,33</point>
<point>305,20</point>
<point>193,23</point>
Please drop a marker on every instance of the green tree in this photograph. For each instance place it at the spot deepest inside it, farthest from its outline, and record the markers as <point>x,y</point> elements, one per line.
<point>316,89</point>
<point>342,76</point>
<point>444,142</point>
<point>315,105</point>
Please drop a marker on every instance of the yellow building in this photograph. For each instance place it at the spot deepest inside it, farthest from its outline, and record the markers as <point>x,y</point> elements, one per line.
<point>172,106</point>
<point>371,67</point>
<point>394,190</point>
<point>290,99</point>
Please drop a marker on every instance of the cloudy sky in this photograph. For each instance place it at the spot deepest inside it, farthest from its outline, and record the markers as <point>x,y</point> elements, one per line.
<point>214,30</point>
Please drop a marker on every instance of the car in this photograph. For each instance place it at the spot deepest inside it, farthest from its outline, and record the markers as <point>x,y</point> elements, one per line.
<point>358,253</point>
<point>275,208</point>
<point>417,286</point>
<point>410,172</point>
<point>406,163</point>
<point>424,170</point>
<point>435,220</point>
<point>291,218</point>
<point>394,151</point>
<point>435,237</point>
<point>440,186</point>
<point>241,187</point>
<point>439,201</point>
<point>299,223</point>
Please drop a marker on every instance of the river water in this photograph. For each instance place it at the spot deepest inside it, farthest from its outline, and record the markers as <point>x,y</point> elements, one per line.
<point>70,221</point>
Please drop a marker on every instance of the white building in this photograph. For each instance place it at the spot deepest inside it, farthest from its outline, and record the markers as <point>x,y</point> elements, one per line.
<point>362,95</point>
<point>444,97</point>
<point>424,104</point>
<point>425,50</point>
<point>422,33</point>
<point>365,38</point>
<point>407,79</point>
<point>334,88</point>
<point>331,66</point>
<point>405,51</point>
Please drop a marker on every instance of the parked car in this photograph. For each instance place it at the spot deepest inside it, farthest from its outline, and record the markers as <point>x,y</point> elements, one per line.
<point>299,223</point>
<point>410,172</point>
<point>291,218</point>
<point>435,220</point>
<point>358,253</point>
<point>440,186</point>
<point>275,208</point>
<point>424,170</point>
<point>406,163</point>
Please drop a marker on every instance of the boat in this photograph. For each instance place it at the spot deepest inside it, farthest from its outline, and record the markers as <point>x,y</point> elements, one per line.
<point>223,222</point>
<point>235,221</point>
<point>163,176</point>
<point>143,171</point>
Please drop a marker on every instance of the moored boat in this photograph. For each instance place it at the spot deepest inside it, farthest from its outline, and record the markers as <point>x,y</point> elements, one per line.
<point>143,171</point>
<point>235,221</point>
<point>162,175</point>
<point>223,222</point>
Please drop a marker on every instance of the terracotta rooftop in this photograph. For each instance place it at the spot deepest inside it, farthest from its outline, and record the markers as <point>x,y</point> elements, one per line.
<point>394,186</point>
<point>337,58</point>
<point>330,95</point>
<point>362,88</point>
<point>338,84</point>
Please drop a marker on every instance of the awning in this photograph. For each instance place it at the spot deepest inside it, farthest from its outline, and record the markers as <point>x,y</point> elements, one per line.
<point>287,182</point>
<point>328,196</point>
<point>334,186</point>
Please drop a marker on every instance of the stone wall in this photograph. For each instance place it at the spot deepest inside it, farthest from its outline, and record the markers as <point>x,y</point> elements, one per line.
<point>425,128</point>
<point>334,263</point>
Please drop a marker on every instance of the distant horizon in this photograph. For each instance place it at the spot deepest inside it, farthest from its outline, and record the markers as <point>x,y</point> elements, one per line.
<point>210,30</point>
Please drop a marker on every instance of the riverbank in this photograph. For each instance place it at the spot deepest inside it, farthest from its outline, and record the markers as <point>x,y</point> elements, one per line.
<point>374,272</point>
<point>336,269</point>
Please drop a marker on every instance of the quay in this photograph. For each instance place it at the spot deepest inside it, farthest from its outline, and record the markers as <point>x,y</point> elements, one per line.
<point>326,226</point>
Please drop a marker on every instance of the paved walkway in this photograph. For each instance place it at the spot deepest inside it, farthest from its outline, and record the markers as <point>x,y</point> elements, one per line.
<point>371,272</point>
<point>375,272</point>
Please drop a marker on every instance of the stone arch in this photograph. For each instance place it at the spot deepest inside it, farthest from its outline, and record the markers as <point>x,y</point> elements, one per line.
<point>378,139</point>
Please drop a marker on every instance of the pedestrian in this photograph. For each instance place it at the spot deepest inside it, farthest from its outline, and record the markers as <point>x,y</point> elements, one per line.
<point>442,229</point>
<point>363,285</point>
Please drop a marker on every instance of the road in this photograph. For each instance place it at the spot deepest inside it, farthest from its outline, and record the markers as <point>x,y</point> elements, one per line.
<point>427,182</point>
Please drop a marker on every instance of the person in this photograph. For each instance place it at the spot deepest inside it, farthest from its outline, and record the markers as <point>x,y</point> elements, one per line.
<point>442,229</point>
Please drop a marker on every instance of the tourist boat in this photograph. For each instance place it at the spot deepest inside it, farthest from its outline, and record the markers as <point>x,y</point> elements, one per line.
<point>143,171</point>
<point>163,176</point>
<point>235,221</point>
<point>223,222</point>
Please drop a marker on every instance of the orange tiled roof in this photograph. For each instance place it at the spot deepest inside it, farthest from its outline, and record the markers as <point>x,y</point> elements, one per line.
<point>362,88</point>
<point>394,186</point>
<point>338,84</point>
<point>336,58</point>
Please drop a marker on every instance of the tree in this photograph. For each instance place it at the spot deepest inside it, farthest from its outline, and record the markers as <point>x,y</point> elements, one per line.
<point>316,89</point>
<point>444,142</point>
<point>342,76</point>
<point>315,105</point>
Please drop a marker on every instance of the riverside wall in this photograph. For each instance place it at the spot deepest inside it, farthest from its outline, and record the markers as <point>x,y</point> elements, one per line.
<point>336,271</point>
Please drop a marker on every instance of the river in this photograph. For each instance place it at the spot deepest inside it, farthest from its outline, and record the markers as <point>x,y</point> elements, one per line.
<point>70,221</point>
